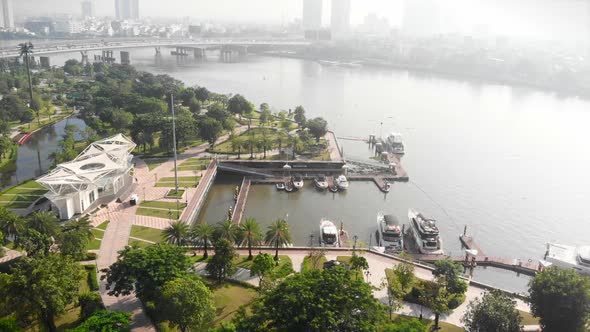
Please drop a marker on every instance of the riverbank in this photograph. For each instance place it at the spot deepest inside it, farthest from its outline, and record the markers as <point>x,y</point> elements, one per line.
<point>17,132</point>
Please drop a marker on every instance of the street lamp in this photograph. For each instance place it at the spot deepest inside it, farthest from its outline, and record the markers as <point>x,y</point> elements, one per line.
<point>354,245</point>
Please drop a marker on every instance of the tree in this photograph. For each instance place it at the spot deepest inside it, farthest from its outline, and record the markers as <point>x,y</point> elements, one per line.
<point>43,288</point>
<point>239,105</point>
<point>105,321</point>
<point>10,224</point>
<point>262,265</point>
<point>299,116</point>
<point>265,115</point>
<point>209,129</point>
<point>187,304</point>
<point>265,143</point>
<point>120,119</point>
<point>451,271</point>
<point>145,270</point>
<point>235,144</point>
<point>495,311</point>
<point>251,234</point>
<point>74,244</point>
<point>278,235</point>
<point>561,299</point>
<point>221,264</point>
<point>202,94</point>
<point>251,141</point>
<point>227,230</point>
<point>34,243</point>
<point>44,223</point>
<point>407,325</point>
<point>177,233</point>
<point>318,127</point>
<point>201,235</point>
<point>25,50</point>
<point>73,67</point>
<point>330,300</point>
<point>359,263</point>
<point>90,302</point>
<point>438,300</point>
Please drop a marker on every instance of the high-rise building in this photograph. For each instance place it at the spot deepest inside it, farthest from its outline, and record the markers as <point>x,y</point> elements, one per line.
<point>87,8</point>
<point>420,18</point>
<point>312,15</point>
<point>6,15</point>
<point>340,19</point>
<point>127,9</point>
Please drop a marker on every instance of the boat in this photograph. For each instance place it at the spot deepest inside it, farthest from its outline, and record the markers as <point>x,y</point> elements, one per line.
<point>386,187</point>
<point>328,233</point>
<point>333,188</point>
<point>297,181</point>
<point>280,186</point>
<point>389,232</point>
<point>569,257</point>
<point>425,233</point>
<point>342,182</point>
<point>395,143</point>
<point>320,182</point>
<point>289,187</point>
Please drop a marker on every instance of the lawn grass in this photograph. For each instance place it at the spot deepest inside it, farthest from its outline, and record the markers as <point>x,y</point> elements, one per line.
<point>164,214</point>
<point>94,244</point>
<point>528,318</point>
<point>163,205</point>
<point>443,327</point>
<point>180,179</point>
<point>103,225</point>
<point>193,164</point>
<point>98,233</point>
<point>183,182</point>
<point>180,184</point>
<point>22,196</point>
<point>228,298</point>
<point>138,243</point>
<point>15,205</point>
<point>154,162</point>
<point>173,193</point>
<point>272,135</point>
<point>344,259</point>
<point>309,265</point>
<point>146,233</point>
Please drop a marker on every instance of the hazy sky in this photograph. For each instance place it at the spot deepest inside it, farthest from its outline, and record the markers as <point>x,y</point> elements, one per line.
<point>549,18</point>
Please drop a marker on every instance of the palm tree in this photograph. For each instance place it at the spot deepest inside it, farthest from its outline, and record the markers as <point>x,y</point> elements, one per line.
<point>227,230</point>
<point>252,141</point>
<point>81,225</point>
<point>278,234</point>
<point>25,49</point>
<point>265,142</point>
<point>10,224</point>
<point>235,144</point>
<point>176,233</point>
<point>202,233</point>
<point>44,223</point>
<point>296,144</point>
<point>280,142</point>
<point>251,234</point>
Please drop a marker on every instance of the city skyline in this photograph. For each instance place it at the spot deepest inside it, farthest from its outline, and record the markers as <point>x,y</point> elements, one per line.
<point>7,15</point>
<point>127,9</point>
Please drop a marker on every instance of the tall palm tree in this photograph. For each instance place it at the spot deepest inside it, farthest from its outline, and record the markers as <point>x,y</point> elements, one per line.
<point>10,224</point>
<point>202,233</point>
<point>236,145</point>
<point>25,50</point>
<point>177,233</point>
<point>227,230</point>
<point>252,141</point>
<point>278,234</point>
<point>265,142</point>
<point>251,234</point>
<point>81,225</point>
<point>296,144</point>
<point>44,223</point>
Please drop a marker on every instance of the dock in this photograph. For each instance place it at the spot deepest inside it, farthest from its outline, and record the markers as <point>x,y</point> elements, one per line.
<point>191,212</point>
<point>469,243</point>
<point>240,206</point>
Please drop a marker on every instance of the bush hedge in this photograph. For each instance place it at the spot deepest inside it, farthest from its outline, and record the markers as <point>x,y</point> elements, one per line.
<point>92,277</point>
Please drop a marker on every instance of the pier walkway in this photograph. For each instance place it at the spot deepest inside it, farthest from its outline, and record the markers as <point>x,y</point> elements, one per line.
<point>241,202</point>
<point>193,208</point>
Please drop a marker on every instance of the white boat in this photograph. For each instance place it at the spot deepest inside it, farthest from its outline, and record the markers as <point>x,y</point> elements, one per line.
<point>298,181</point>
<point>328,233</point>
<point>280,186</point>
<point>425,233</point>
<point>342,182</point>
<point>569,257</point>
<point>395,143</point>
<point>320,182</point>
<point>389,232</point>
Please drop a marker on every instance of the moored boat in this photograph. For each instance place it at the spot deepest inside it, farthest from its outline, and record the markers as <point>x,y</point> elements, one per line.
<point>280,186</point>
<point>395,143</point>
<point>342,182</point>
<point>569,257</point>
<point>320,182</point>
<point>389,232</point>
<point>297,181</point>
<point>289,187</point>
<point>333,188</point>
<point>425,233</point>
<point>328,233</point>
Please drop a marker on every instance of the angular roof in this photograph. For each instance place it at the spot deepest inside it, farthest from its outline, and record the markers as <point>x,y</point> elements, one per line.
<point>92,167</point>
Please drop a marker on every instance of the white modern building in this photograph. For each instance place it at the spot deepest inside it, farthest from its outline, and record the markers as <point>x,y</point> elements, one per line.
<point>97,175</point>
<point>340,19</point>
<point>6,14</point>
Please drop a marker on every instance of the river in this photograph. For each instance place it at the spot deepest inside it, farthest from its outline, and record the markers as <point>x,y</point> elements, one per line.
<point>509,162</point>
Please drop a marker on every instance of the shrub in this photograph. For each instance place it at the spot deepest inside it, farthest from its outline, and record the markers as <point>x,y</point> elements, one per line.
<point>91,256</point>
<point>421,290</point>
<point>92,277</point>
<point>89,304</point>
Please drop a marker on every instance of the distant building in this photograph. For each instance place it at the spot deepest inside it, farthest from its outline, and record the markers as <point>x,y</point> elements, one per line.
<point>420,18</point>
<point>87,8</point>
<point>67,26</point>
<point>40,26</point>
<point>340,19</point>
<point>127,9</point>
<point>7,15</point>
<point>312,15</point>
<point>98,175</point>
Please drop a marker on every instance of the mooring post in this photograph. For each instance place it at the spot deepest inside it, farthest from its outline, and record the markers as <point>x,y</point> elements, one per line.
<point>465,230</point>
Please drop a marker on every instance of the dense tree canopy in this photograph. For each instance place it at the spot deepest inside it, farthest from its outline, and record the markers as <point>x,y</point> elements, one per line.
<point>561,299</point>
<point>221,265</point>
<point>239,105</point>
<point>330,300</point>
<point>187,304</point>
<point>495,311</point>
<point>318,127</point>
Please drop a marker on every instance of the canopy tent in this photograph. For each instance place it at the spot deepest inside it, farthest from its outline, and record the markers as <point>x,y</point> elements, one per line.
<point>92,168</point>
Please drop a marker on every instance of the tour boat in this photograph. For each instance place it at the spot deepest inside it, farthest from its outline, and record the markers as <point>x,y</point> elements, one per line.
<point>297,181</point>
<point>342,182</point>
<point>569,257</point>
<point>425,233</point>
<point>389,232</point>
<point>320,182</point>
<point>333,188</point>
<point>280,186</point>
<point>395,143</point>
<point>289,187</point>
<point>328,233</point>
